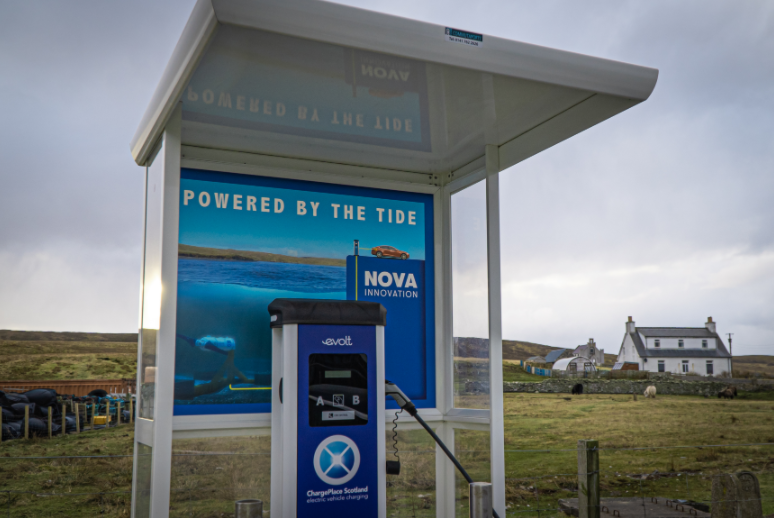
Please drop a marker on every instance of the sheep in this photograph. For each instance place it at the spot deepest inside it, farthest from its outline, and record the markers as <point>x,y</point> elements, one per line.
<point>650,392</point>
<point>732,389</point>
<point>577,389</point>
<point>726,393</point>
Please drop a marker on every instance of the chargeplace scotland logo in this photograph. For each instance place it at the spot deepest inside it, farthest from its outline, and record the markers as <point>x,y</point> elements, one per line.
<point>336,460</point>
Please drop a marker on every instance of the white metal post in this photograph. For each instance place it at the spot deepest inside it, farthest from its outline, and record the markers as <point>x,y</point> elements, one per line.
<point>139,342</point>
<point>165,349</point>
<point>444,469</point>
<point>497,434</point>
<point>445,474</point>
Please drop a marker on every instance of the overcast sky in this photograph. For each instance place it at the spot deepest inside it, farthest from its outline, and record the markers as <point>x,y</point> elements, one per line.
<point>665,212</point>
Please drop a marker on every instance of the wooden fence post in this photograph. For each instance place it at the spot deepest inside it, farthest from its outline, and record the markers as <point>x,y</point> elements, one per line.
<point>64,418</point>
<point>77,418</point>
<point>49,422</point>
<point>26,421</point>
<point>588,479</point>
<point>93,414</point>
<point>118,413</point>
<point>131,409</point>
<point>107,413</point>
<point>1,427</point>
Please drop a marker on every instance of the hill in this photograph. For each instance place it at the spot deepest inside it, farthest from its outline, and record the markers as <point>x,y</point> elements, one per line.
<point>199,252</point>
<point>754,365</point>
<point>56,336</point>
<point>512,349</point>
<point>43,355</point>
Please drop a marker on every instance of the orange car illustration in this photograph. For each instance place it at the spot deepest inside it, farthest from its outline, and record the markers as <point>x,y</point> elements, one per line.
<point>389,251</point>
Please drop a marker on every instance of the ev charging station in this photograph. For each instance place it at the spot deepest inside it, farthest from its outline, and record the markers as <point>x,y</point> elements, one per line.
<point>327,443</point>
<point>315,162</point>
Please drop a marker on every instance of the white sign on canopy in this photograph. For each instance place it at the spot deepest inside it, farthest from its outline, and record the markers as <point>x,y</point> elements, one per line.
<point>281,134</point>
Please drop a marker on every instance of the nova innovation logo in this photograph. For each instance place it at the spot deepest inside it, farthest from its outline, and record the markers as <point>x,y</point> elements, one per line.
<point>336,460</point>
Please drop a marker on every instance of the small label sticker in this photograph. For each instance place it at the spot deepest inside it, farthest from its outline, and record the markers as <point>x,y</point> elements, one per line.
<point>470,39</point>
<point>338,416</point>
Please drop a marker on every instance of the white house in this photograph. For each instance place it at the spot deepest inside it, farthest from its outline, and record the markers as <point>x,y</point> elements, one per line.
<point>590,351</point>
<point>680,350</point>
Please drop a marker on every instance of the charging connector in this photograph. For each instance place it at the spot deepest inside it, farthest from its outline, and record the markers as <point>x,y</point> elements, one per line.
<point>391,389</point>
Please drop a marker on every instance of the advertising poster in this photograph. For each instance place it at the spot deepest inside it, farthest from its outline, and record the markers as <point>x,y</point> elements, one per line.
<point>246,240</point>
<point>281,84</point>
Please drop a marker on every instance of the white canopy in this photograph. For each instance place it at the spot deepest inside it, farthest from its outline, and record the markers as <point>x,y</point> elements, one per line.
<point>520,97</point>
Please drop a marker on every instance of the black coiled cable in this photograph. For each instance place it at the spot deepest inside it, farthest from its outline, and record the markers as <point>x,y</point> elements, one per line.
<point>395,434</point>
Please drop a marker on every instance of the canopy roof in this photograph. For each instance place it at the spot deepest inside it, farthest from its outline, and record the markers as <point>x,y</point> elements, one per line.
<point>316,80</point>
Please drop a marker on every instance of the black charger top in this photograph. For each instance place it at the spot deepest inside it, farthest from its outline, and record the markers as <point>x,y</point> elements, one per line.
<point>327,312</point>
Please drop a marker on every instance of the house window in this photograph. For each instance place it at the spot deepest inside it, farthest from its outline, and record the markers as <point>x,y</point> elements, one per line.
<point>685,365</point>
<point>680,343</point>
<point>710,368</point>
<point>657,343</point>
<point>704,344</point>
<point>661,366</point>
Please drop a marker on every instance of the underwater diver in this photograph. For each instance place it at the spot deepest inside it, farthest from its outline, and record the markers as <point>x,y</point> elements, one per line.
<point>228,373</point>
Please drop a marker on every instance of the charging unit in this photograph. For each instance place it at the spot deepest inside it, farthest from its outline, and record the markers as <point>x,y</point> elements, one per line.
<point>328,442</point>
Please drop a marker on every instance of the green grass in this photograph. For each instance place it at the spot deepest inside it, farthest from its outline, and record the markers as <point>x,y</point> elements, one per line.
<point>513,372</point>
<point>208,485</point>
<point>60,360</point>
<point>556,422</point>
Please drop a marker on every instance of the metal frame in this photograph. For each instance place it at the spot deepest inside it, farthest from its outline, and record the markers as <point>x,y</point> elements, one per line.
<point>604,88</point>
<point>445,414</point>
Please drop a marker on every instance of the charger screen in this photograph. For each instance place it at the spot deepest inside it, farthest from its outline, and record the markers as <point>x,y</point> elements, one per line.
<point>338,389</point>
<point>338,374</point>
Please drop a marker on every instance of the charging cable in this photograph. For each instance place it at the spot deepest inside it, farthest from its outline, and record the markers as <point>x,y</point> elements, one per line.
<point>391,389</point>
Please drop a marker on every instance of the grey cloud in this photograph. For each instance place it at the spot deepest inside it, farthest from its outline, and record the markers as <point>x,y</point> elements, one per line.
<point>663,212</point>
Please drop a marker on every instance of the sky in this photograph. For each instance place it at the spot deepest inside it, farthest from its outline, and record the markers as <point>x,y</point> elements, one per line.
<point>664,212</point>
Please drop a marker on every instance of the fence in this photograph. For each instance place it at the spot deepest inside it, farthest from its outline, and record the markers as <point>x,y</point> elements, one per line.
<point>91,414</point>
<point>536,370</point>
<point>74,387</point>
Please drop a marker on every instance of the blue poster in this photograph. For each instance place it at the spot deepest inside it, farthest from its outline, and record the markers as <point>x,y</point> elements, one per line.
<point>245,240</point>
<point>281,84</point>
<point>399,285</point>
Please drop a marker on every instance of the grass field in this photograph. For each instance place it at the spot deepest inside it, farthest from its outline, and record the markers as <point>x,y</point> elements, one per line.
<point>754,365</point>
<point>66,359</point>
<point>207,485</point>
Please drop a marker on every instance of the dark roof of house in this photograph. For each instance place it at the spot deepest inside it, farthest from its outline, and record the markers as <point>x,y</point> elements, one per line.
<point>720,350</point>
<point>554,355</point>
<point>676,332</point>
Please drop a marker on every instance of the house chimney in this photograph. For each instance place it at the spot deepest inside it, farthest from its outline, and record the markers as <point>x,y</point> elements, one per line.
<point>630,328</point>
<point>710,325</point>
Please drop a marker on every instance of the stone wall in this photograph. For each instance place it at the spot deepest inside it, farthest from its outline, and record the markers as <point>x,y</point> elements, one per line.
<point>600,386</point>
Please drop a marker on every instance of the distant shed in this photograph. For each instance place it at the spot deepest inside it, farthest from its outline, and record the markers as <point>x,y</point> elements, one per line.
<point>536,359</point>
<point>574,364</point>
<point>556,354</point>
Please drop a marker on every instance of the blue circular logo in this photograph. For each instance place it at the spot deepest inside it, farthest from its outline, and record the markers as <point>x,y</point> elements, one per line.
<point>336,460</point>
